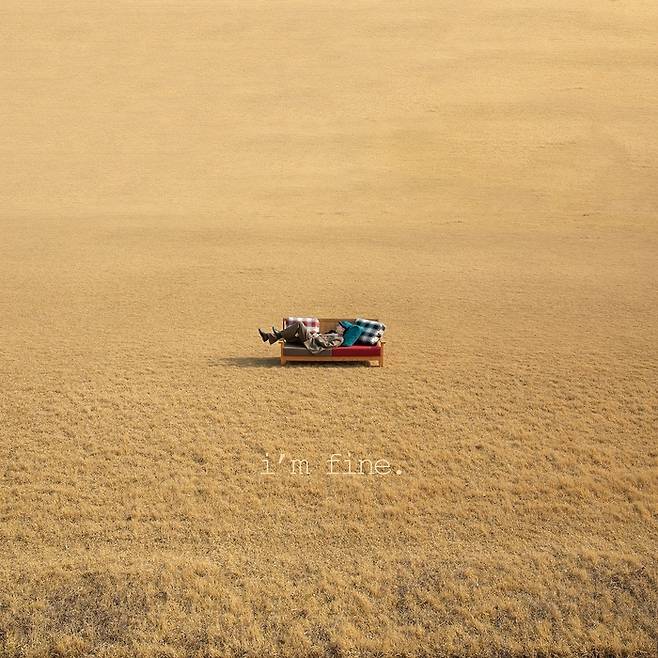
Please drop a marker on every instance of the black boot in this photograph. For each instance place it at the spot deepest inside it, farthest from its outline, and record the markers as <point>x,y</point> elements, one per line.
<point>265,337</point>
<point>277,333</point>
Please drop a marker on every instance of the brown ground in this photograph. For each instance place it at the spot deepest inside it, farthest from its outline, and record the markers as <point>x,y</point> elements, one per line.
<point>482,176</point>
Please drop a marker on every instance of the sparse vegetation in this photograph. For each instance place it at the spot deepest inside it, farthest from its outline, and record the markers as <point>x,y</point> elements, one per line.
<point>481,177</point>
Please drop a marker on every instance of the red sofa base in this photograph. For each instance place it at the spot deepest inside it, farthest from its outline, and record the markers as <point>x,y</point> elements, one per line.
<point>357,350</point>
<point>354,353</point>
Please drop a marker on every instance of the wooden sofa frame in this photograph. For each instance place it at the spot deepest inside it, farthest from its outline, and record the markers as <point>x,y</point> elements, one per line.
<point>328,324</point>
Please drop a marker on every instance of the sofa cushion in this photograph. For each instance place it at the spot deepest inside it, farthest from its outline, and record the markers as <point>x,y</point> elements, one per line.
<point>358,350</point>
<point>313,324</point>
<point>372,331</point>
<point>299,350</point>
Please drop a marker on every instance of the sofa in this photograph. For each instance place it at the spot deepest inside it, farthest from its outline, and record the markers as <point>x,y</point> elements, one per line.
<point>373,351</point>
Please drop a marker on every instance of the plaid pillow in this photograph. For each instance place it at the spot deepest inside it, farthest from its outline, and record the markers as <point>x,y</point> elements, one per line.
<point>313,324</point>
<point>372,331</point>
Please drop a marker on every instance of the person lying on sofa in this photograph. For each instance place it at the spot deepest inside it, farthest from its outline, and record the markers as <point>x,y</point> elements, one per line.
<point>298,332</point>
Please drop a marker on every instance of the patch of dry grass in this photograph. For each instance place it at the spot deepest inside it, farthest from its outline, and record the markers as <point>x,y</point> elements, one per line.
<point>480,177</point>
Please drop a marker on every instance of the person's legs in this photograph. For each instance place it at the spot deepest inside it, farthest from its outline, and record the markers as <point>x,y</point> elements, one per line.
<point>295,332</point>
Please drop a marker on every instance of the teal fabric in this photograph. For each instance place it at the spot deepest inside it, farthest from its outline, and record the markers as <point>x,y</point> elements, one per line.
<point>351,334</point>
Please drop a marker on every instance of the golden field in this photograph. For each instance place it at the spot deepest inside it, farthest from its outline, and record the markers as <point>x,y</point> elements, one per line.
<point>480,176</point>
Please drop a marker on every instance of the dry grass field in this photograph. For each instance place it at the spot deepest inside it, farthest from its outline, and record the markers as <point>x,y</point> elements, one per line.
<point>481,176</point>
